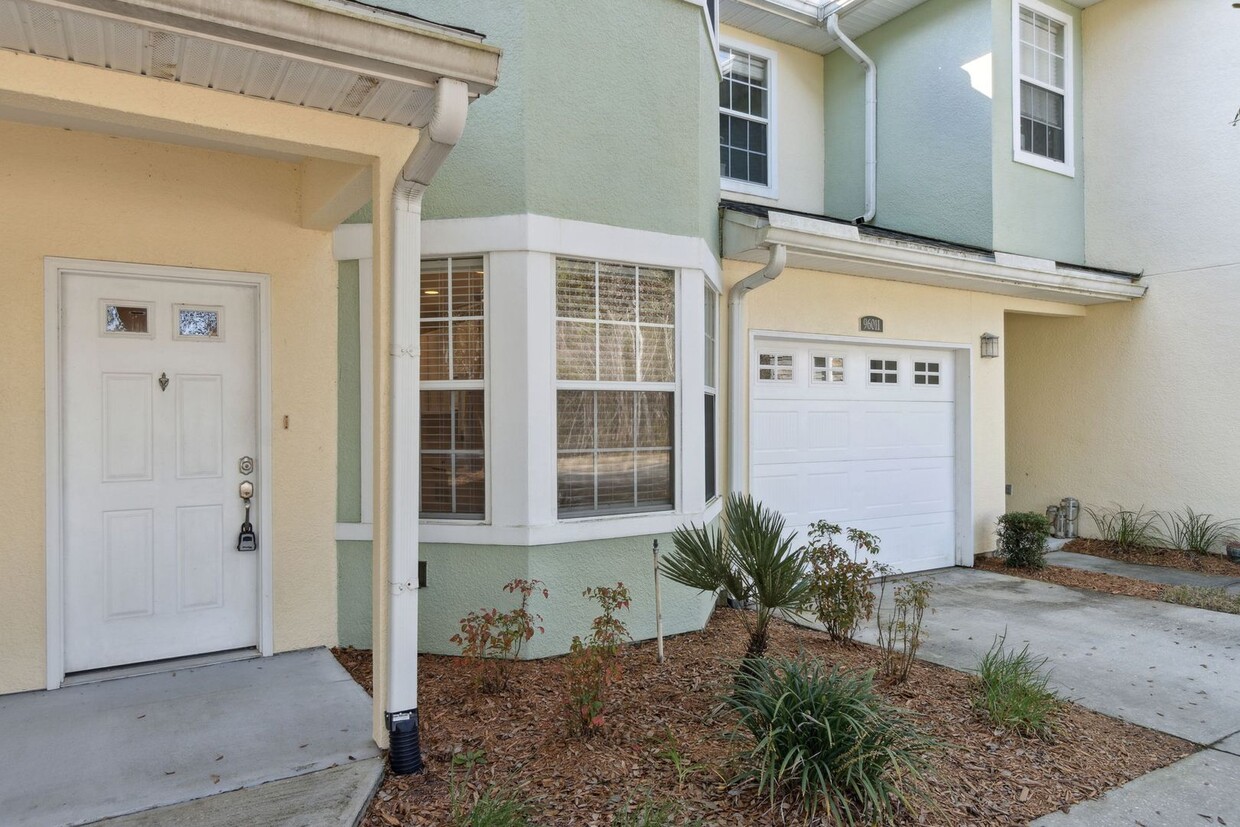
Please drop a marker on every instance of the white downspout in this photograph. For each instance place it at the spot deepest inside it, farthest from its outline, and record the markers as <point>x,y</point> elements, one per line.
<point>401,681</point>
<point>871,116</point>
<point>738,362</point>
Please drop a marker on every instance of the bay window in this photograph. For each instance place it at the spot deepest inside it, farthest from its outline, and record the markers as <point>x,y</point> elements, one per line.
<point>453,418</point>
<point>615,387</point>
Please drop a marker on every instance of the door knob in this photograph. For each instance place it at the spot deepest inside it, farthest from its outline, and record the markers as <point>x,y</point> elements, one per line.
<point>246,490</point>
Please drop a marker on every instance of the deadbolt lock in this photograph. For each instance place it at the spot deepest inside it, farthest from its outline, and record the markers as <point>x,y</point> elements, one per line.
<point>246,465</point>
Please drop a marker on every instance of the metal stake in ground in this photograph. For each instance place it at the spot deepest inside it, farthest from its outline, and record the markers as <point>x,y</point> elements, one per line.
<point>658,604</point>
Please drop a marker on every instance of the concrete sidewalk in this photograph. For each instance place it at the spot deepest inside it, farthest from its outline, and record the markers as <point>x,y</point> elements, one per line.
<point>1170,668</point>
<point>1150,574</point>
<point>101,750</point>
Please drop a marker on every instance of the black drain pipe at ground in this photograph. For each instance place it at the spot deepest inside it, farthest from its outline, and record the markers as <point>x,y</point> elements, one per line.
<point>405,748</point>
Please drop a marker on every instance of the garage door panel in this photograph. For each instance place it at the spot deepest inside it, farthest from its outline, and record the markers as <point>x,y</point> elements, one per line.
<point>879,457</point>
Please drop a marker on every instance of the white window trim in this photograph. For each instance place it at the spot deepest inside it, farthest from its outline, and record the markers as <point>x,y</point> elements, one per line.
<point>712,388</point>
<point>1067,167</point>
<point>771,189</point>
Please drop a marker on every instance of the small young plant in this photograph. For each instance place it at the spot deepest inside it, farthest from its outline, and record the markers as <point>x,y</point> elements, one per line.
<point>680,763</point>
<point>1130,530</point>
<point>649,813</point>
<point>490,808</point>
<point>839,581</point>
<point>1022,537</point>
<point>492,639</point>
<point>1013,690</point>
<point>899,631</point>
<point>592,666</point>
<point>1200,533</point>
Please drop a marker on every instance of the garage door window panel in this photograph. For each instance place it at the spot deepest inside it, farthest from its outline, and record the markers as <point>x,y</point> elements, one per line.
<point>827,370</point>
<point>926,373</point>
<point>775,367</point>
<point>884,372</point>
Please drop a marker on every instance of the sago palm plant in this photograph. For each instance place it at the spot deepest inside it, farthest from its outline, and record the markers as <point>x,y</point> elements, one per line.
<point>748,559</point>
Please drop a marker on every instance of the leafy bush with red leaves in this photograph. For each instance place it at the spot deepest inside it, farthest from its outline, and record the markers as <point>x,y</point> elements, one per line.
<point>592,666</point>
<point>492,639</point>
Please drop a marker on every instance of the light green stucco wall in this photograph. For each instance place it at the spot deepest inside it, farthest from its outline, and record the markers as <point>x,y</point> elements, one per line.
<point>1036,212</point>
<point>348,403</point>
<point>598,116</point>
<point>934,128</point>
<point>461,578</point>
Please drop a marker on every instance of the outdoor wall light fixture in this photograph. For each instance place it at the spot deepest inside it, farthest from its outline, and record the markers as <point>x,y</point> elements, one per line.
<point>990,346</point>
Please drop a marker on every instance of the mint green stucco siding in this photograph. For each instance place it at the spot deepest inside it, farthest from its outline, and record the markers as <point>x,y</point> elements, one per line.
<point>600,116</point>
<point>1036,212</point>
<point>934,128</point>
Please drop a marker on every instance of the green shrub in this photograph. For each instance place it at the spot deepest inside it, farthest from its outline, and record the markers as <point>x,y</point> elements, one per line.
<point>1200,533</point>
<point>649,813</point>
<point>1130,530</point>
<point>899,632</point>
<point>592,665</point>
<point>828,740</point>
<point>839,588</point>
<point>1022,539</point>
<point>491,808</point>
<point>1012,690</point>
<point>749,560</point>
<point>1203,597</point>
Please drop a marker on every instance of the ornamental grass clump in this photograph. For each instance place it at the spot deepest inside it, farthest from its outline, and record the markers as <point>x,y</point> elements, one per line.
<point>1013,691</point>
<point>748,559</point>
<point>1022,537</point>
<point>828,741</point>
<point>489,808</point>
<point>1129,530</point>
<point>1200,533</point>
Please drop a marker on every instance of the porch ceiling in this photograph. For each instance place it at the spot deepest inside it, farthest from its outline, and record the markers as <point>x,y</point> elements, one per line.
<point>332,55</point>
<point>837,247</point>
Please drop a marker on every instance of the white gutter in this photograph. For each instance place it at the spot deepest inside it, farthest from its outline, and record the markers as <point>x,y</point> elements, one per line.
<point>871,115</point>
<point>401,680</point>
<point>737,362</point>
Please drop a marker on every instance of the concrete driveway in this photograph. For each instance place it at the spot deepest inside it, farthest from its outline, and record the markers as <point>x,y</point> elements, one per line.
<point>1166,667</point>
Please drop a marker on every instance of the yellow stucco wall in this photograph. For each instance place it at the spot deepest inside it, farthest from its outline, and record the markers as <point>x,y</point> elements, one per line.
<point>808,301</point>
<point>85,195</point>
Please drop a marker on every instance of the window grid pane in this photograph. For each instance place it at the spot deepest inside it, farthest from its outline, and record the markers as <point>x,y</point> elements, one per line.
<point>744,102</point>
<point>453,419</point>
<point>1043,85</point>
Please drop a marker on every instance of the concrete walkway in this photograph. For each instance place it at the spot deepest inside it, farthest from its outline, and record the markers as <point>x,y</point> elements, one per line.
<point>95,751</point>
<point>1166,667</point>
<point>1150,574</point>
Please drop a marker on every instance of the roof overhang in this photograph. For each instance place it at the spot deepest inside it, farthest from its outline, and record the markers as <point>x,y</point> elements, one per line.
<point>332,55</point>
<point>819,244</point>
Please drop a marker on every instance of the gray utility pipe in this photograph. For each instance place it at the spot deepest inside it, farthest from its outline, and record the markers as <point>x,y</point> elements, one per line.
<point>401,679</point>
<point>738,362</point>
<point>871,115</point>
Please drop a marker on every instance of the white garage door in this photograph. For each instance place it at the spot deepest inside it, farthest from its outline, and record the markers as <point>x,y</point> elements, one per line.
<point>863,436</point>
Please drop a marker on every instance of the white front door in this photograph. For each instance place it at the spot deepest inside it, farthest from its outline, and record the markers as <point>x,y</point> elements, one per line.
<point>159,385</point>
<point>862,436</point>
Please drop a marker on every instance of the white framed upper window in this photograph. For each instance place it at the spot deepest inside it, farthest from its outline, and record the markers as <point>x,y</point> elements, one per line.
<point>826,369</point>
<point>1042,84</point>
<point>747,125</point>
<point>775,367</point>
<point>615,388</point>
<point>453,393</point>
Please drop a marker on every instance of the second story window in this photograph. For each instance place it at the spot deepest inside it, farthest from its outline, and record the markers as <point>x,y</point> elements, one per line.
<point>1043,41</point>
<point>745,121</point>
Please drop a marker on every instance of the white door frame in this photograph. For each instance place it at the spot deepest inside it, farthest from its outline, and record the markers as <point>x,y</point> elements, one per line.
<point>963,405</point>
<point>54,270</point>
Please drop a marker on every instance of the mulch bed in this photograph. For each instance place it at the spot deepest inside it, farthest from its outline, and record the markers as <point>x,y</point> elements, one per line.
<point>1077,578</point>
<point>1166,557</point>
<point>982,776</point>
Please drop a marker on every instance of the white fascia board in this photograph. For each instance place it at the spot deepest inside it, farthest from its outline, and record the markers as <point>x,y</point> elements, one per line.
<point>328,32</point>
<point>841,248</point>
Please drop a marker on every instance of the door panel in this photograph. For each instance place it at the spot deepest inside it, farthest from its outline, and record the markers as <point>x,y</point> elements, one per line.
<point>151,510</point>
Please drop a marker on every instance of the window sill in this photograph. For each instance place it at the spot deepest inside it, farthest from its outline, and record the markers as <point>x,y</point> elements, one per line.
<point>770,191</point>
<point>574,530</point>
<point>1063,168</point>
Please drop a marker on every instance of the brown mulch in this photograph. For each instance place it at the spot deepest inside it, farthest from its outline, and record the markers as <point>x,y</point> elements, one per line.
<point>1077,578</point>
<point>1171,558</point>
<point>982,776</point>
